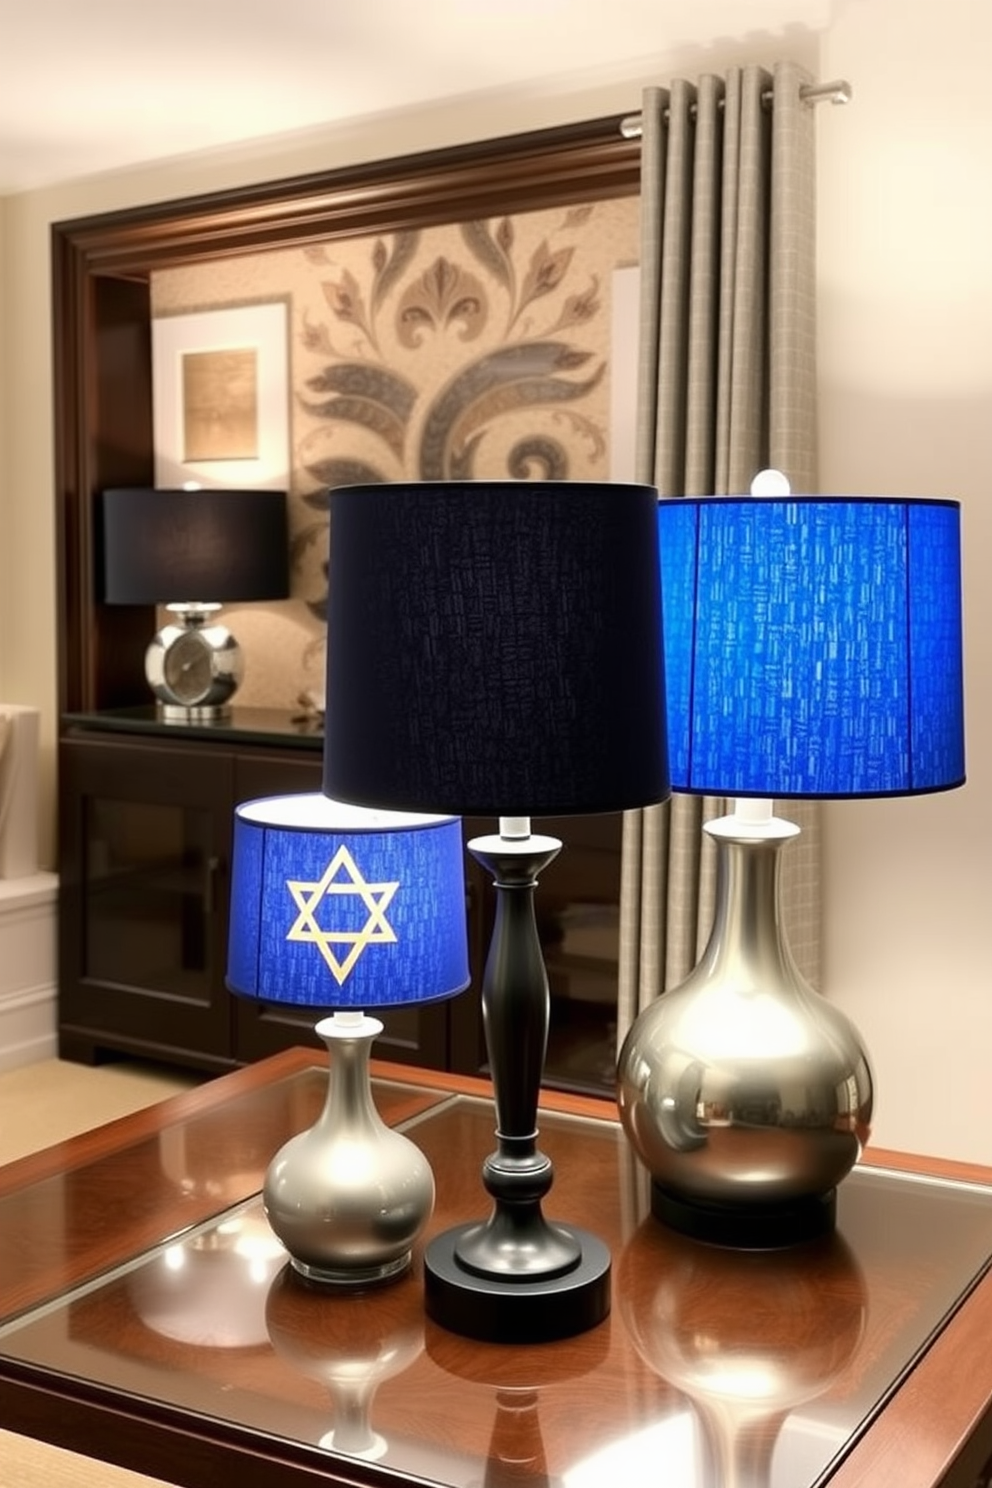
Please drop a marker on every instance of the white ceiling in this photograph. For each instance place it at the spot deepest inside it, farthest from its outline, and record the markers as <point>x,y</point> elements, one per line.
<point>93,85</point>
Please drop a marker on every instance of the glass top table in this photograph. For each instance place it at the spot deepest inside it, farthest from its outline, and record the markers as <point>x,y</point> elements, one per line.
<point>150,1316</point>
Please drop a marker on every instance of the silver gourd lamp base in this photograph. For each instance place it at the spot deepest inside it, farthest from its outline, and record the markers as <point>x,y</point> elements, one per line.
<point>349,1197</point>
<point>747,1095</point>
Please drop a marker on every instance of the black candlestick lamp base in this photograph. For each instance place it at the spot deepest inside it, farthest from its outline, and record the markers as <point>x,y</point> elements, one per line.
<point>508,1309</point>
<point>516,1278</point>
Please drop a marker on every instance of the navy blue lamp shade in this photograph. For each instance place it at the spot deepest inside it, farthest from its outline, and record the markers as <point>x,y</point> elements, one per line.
<point>213,545</point>
<point>812,645</point>
<point>494,648</point>
<point>341,907</point>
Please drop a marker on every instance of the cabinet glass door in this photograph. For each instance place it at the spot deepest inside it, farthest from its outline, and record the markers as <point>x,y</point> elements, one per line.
<point>143,902</point>
<point>151,872</point>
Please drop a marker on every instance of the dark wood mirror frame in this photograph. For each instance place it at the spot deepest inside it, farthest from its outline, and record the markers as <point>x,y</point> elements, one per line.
<point>101,317</point>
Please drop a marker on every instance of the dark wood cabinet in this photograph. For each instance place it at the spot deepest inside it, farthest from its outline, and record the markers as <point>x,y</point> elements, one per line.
<point>141,938</point>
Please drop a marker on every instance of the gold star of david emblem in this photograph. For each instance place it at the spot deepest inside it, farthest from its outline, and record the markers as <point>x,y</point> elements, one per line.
<point>342,876</point>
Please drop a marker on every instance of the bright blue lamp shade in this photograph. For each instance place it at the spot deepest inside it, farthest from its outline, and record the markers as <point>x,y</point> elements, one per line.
<point>812,645</point>
<point>345,907</point>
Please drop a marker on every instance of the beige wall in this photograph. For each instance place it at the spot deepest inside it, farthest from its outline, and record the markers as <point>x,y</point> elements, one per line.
<point>4,483</point>
<point>906,406</point>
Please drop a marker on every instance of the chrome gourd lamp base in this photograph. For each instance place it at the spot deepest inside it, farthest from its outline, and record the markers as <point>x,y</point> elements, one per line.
<point>193,665</point>
<point>349,1197</point>
<point>745,1093</point>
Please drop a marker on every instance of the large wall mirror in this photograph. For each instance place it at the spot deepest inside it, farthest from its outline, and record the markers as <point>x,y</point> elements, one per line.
<point>442,314</point>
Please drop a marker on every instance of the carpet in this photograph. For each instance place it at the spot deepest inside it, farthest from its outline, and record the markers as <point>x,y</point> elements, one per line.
<point>44,1103</point>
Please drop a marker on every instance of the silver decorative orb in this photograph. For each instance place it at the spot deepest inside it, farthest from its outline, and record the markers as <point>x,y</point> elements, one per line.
<point>746,1094</point>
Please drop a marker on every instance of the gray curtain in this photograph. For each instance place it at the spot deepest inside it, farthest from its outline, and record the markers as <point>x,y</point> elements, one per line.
<point>726,387</point>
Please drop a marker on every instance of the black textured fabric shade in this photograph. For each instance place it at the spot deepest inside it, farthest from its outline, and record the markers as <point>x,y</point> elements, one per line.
<point>494,648</point>
<point>209,545</point>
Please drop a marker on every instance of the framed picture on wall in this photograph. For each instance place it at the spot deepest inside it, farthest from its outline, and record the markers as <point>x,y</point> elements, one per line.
<point>220,381</point>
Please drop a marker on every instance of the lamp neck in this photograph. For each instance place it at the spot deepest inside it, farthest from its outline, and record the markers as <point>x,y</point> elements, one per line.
<point>352,1433</point>
<point>192,612</point>
<point>348,1038</point>
<point>747,941</point>
<point>515,984</point>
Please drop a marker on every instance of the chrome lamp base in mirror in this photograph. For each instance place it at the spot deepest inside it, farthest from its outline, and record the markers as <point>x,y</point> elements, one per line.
<point>193,666</point>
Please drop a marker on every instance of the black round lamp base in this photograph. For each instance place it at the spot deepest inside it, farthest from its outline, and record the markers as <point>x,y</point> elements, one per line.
<point>760,1227</point>
<point>494,1310</point>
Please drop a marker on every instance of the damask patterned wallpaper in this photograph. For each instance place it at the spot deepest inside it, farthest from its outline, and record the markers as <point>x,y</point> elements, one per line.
<point>477,349</point>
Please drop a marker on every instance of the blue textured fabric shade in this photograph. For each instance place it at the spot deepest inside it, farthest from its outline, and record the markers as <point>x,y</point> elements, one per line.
<point>336,906</point>
<point>812,645</point>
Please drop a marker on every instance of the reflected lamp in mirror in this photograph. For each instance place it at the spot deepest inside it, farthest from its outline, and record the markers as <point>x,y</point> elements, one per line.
<point>344,909</point>
<point>194,551</point>
<point>812,650</point>
<point>494,649</point>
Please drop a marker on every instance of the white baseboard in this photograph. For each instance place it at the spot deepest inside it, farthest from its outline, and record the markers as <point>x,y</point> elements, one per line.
<point>28,978</point>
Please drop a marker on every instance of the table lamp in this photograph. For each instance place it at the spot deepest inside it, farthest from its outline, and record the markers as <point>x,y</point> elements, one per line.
<point>335,906</point>
<point>219,547</point>
<point>494,649</point>
<point>812,649</point>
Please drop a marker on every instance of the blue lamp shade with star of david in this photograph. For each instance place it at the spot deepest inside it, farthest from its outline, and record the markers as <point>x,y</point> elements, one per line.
<point>339,906</point>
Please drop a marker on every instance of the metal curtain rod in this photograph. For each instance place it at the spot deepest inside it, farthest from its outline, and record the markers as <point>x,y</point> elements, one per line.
<point>838,92</point>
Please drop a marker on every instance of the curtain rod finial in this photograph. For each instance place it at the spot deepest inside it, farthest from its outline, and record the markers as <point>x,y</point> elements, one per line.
<point>838,92</point>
